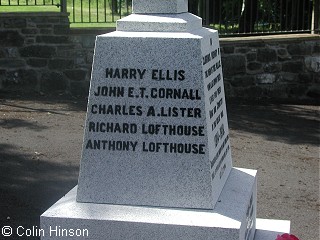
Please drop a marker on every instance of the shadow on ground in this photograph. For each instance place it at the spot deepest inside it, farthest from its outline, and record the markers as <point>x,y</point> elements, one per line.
<point>28,185</point>
<point>31,182</point>
<point>73,103</point>
<point>292,124</point>
<point>14,123</point>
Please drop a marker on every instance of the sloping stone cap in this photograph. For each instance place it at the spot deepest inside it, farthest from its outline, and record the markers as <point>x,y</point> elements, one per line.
<point>159,6</point>
<point>184,22</point>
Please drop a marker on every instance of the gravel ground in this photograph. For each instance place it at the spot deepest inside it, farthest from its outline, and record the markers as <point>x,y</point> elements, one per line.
<point>40,147</point>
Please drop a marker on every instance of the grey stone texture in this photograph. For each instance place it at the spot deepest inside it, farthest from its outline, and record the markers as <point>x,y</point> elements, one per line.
<point>40,51</point>
<point>299,49</point>
<point>163,6</point>
<point>184,22</point>
<point>158,187</point>
<point>52,81</point>
<point>284,68</point>
<point>234,217</point>
<point>52,39</point>
<point>76,74</point>
<point>157,178</point>
<point>234,64</point>
<point>293,59</point>
<point>15,23</point>
<point>41,55</point>
<point>267,55</point>
<point>138,179</point>
<point>11,38</point>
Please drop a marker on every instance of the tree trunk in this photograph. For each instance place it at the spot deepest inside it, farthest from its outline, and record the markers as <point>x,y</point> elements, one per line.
<point>114,6</point>
<point>248,16</point>
<point>294,15</point>
<point>193,6</point>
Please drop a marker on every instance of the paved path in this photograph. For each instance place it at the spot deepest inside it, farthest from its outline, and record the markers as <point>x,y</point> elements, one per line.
<point>40,147</point>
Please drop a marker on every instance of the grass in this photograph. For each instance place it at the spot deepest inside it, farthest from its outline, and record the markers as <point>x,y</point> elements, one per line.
<point>93,25</point>
<point>97,13</point>
<point>82,14</point>
<point>29,9</point>
<point>258,28</point>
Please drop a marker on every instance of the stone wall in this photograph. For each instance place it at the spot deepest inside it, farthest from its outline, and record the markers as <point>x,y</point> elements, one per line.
<point>30,49</point>
<point>39,53</point>
<point>283,67</point>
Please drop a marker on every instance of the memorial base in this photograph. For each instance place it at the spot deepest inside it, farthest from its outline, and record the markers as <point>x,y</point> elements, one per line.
<point>268,229</point>
<point>232,218</point>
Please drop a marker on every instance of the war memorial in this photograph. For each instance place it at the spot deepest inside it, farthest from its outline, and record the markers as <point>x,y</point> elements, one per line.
<point>156,160</point>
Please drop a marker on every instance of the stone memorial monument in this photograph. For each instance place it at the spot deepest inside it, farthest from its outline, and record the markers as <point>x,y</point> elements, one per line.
<point>156,159</point>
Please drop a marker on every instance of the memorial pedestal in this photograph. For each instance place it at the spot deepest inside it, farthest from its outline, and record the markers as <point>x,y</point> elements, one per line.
<point>155,134</point>
<point>233,217</point>
<point>229,220</point>
<point>156,159</point>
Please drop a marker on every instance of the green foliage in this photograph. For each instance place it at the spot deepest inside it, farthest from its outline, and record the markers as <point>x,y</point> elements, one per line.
<point>28,2</point>
<point>85,13</point>
<point>29,6</point>
<point>226,15</point>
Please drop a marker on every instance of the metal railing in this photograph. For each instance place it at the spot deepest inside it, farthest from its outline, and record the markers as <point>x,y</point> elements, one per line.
<point>98,11</point>
<point>17,3</point>
<point>255,16</point>
<point>230,17</point>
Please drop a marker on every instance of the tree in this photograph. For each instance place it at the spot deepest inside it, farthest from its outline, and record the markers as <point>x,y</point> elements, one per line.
<point>193,6</point>
<point>295,14</point>
<point>116,5</point>
<point>248,16</point>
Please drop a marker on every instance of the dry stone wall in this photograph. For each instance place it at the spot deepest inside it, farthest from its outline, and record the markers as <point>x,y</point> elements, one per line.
<point>39,53</point>
<point>274,67</point>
